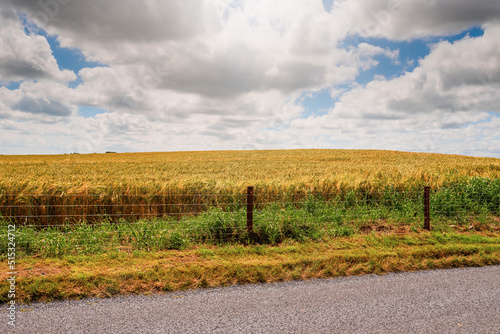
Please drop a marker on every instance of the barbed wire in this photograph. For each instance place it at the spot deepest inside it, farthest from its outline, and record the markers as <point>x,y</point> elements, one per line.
<point>115,205</point>
<point>209,206</point>
<point>139,227</point>
<point>109,209</point>
<point>256,192</point>
<point>154,204</point>
<point>285,206</point>
<point>118,194</point>
<point>118,223</point>
<point>160,205</point>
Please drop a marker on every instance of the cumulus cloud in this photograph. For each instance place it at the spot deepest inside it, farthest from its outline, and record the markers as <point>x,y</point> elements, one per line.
<point>410,19</point>
<point>110,21</point>
<point>25,55</point>
<point>42,101</point>
<point>44,106</point>
<point>249,61</point>
<point>471,61</point>
<point>461,76</point>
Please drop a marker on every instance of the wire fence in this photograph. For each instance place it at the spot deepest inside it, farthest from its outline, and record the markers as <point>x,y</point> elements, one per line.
<point>60,209</point>
<point>64,223</point>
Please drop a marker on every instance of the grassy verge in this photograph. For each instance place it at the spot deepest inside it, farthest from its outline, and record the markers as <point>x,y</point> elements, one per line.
<point>112,273</point>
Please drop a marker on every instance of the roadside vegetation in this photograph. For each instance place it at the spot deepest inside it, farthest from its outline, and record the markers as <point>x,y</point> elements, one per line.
<point>315,238</point>
<point>117,272</point>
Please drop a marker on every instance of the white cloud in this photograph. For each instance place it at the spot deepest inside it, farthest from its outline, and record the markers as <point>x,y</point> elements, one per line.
<point>206,47</point>
<point>44,100</point>
<point>24,55</point>
<point>410,19</point>
<point>472,61</point>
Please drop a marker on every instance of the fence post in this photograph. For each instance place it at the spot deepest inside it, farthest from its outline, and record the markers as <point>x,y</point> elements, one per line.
<point>427,209</point>
<point>250,209</point>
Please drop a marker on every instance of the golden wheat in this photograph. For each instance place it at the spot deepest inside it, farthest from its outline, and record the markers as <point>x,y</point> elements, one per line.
<point>115,181</point>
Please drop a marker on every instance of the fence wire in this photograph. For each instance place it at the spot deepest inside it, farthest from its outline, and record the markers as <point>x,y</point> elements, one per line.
<point>53,224</point>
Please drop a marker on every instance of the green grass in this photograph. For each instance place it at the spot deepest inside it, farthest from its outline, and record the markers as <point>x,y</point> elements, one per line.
<point>471,205</point>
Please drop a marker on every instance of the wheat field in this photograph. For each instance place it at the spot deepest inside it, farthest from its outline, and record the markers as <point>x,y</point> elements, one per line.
<point>54,185</point>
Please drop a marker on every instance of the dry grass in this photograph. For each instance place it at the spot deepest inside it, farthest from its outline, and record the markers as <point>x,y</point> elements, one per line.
<point>114,273</point>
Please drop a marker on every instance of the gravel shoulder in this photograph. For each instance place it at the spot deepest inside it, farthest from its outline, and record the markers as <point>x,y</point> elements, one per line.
<point>465,300</point>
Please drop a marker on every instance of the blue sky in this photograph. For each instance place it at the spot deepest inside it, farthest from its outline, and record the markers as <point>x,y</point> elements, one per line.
<point>69,59</point>
<point>410,52</point>
<point>249,75</point>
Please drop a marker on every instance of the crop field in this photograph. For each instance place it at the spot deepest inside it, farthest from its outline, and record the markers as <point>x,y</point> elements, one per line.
<point>229,172</point>
<point>55,189</point>
<point>156,184</point>
<point>168,200</point>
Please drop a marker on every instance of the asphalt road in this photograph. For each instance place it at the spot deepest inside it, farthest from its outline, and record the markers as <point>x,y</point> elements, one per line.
<point>440,301</point>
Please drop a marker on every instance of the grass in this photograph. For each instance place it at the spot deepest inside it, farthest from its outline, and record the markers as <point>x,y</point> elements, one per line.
<point>469,205</point>
<point>111,273</point>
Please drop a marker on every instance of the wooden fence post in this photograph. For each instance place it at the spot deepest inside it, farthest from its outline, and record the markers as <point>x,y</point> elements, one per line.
<point>427,209</point>
<point>250,209</point>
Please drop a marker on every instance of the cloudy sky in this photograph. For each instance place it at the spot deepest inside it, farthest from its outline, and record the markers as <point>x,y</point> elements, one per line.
<point>166,75</point>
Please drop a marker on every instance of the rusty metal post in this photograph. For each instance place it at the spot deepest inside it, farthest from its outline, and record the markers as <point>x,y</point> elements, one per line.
<point>250,209</point>
<point>427,209</point>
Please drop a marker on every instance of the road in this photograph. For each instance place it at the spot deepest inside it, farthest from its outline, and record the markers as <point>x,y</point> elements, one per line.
<point>440,301</point>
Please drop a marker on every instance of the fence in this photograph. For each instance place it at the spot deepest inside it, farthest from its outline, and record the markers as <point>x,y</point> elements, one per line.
<point>171,220</point>
<point>57,209</point>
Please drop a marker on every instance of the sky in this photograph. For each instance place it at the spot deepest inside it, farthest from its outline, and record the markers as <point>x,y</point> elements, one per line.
<point>140,76</point>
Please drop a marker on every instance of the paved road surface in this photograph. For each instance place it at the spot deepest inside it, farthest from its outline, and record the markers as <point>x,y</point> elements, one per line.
<point>441,301</point>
